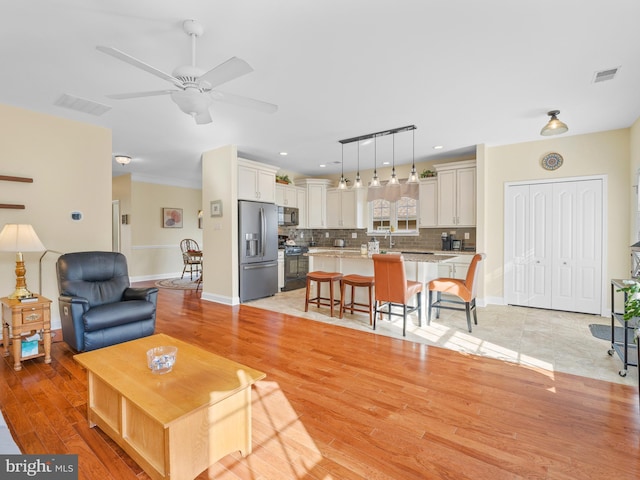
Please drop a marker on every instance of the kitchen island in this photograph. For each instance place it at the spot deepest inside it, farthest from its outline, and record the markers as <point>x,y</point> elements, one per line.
<point>420,266</point>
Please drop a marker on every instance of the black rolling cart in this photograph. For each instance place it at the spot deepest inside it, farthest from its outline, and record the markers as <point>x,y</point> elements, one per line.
<point>626,349</point>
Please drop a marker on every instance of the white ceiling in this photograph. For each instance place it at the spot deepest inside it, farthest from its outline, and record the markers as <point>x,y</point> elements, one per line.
<point>463,71</point>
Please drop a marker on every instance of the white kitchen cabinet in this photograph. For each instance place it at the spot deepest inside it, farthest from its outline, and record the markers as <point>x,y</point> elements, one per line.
<point>286,195</point>
<point>456,267</point>
<point>316,205</point>
<point>456,194</point>
<point>347,208</point>
<point>301,203</point>
<point>428,203</point>
<point>256,181</point>
<point>280,269</point>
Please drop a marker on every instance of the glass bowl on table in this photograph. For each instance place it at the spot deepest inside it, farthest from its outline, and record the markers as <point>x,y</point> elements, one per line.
<point>161,359</point>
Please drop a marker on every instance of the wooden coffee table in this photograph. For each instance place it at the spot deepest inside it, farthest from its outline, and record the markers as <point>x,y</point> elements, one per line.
<point>174,425</point>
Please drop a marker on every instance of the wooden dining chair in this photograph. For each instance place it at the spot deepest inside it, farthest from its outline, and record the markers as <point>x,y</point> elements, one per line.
<point>190,260</point>
<point>464,289</point>
<point>394,290</point>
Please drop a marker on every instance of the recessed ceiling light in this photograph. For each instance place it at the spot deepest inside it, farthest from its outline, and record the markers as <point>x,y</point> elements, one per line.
<point>438,147</point>
<point>284,154</point>
<point>386,163</point>
<point>322,165</point>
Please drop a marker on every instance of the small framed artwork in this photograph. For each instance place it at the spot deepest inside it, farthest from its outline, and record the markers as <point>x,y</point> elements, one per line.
<point>172,218</point>
<point>216,208</point>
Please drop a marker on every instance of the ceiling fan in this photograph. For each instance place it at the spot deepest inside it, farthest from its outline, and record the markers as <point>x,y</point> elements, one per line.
<point>194,91</point>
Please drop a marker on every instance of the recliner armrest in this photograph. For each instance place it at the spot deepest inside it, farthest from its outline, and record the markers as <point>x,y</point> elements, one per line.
<point>75,301</point>
<point>147,294</point>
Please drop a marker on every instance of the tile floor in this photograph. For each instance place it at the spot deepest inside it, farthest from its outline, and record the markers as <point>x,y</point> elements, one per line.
<point>552,340</point>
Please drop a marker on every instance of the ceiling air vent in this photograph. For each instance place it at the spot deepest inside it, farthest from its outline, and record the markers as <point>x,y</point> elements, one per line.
<point>81,105</point>
<point>604,75</point>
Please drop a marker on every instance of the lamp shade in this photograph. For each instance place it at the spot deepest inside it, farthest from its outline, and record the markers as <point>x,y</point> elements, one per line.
<point>20,238</point>
<point>555,126</point>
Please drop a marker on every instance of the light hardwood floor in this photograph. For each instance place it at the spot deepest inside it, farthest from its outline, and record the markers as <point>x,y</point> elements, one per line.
<point>342,404</point>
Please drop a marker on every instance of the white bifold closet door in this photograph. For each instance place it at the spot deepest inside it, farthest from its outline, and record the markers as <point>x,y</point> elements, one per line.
<point>553,245</point>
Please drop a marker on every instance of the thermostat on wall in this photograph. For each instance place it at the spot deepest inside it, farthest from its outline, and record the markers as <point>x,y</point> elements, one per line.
<point>76,216</point>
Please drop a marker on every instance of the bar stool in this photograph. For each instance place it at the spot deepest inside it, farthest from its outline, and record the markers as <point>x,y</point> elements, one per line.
<point>321,277</point>
<point>357,281</point>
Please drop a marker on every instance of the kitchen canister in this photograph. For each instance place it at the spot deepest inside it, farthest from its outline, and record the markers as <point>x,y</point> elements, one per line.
<point>373,248</point>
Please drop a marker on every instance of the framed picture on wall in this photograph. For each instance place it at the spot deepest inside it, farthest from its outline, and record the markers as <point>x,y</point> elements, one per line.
<point>172,218</point>
<point>216,208</point>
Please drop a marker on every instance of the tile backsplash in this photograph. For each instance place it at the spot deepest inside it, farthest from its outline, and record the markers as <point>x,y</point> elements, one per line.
<point>429,238</point>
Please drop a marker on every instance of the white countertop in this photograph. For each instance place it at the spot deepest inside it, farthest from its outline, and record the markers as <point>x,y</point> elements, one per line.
<point>410,255</point>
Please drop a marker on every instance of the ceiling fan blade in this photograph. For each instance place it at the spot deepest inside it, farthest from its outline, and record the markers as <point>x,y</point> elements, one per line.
<point>124,96</point>
<point>203,118</point>
<point>233,68</point>
<point>114,52</point>
<point>244,102</point>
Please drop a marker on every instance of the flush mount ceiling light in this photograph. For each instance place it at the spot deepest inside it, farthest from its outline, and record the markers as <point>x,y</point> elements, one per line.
<point>555,126</point>
<point>122,159</point>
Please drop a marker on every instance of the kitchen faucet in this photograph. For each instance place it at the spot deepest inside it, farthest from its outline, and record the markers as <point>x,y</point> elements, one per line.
<point>391,244</point>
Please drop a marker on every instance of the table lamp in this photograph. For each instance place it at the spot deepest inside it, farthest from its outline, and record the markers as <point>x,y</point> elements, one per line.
<point>20,238</point>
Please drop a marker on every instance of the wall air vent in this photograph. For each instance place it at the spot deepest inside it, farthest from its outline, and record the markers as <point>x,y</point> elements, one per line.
<point>604,75</point>
<point>81,105</point>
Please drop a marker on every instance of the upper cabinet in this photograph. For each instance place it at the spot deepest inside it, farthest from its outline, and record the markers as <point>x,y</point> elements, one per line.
<point>316,199</point>
<point>347,208</point>
<point>286,195</point>
<point>296,197</point>
<point>256,181</point>
<point>428,202</point>
<point>457,194</point>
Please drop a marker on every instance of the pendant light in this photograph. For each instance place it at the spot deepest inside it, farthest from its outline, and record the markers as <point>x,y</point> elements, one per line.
<point>342,184</point>
<point>358,182</point>
<point>394,179</point>
<point>413,177</point>
<point>375,182</point>
<point>555,126</point>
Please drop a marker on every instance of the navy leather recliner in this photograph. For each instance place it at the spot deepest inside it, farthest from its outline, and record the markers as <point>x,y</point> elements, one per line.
<point>97,306</point>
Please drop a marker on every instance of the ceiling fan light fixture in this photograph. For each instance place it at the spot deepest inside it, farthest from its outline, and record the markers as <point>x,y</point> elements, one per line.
<point>554,126</point>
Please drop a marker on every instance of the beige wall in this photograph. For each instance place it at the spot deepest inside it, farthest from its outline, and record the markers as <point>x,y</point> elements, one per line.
<point>121,191</point>
<point>634,172</point>
<point>220,182</point>
<point>70,163</point>
<point>155,251</point>
<point>604,153</point>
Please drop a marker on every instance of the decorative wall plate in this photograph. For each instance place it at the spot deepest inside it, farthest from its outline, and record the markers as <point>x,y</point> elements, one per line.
<point>552,161</point>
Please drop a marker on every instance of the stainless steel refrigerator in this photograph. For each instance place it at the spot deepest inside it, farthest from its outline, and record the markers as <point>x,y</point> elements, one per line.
<point>258,249</point>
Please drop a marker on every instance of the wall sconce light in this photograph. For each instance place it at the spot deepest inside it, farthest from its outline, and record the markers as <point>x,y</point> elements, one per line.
<point>122,159</point>
<point>555,126</point>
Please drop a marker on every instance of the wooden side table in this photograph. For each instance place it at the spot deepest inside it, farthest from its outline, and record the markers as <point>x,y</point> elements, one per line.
<point>26,317</point>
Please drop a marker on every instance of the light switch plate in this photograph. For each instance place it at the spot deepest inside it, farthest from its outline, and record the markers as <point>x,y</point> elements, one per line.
<point>354,235</point>
<point>466,235</point>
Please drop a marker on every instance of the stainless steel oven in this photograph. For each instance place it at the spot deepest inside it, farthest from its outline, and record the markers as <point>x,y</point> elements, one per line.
<point>296,267</point>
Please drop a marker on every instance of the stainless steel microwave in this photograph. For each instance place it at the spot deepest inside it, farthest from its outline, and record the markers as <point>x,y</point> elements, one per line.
<point>287,216</point>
